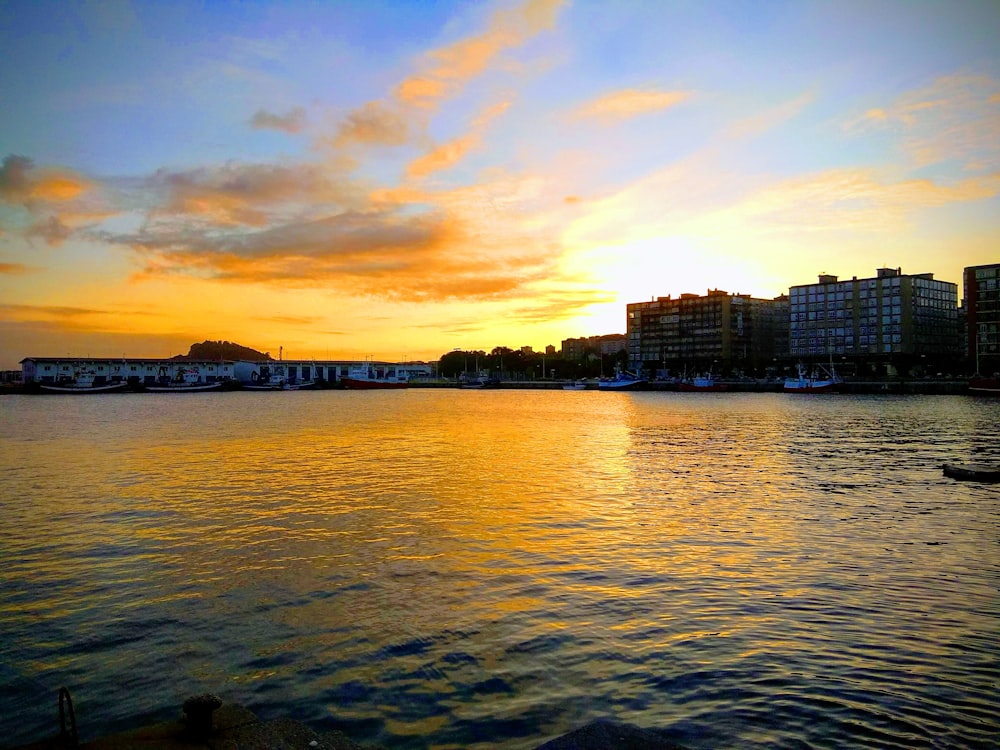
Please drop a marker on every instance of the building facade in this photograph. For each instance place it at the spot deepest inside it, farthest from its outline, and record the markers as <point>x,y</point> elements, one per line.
<point>890,321</point>
<point>981,290</point>
<point>718,331</point>
<point>146,371</point>
<point>576,350</point>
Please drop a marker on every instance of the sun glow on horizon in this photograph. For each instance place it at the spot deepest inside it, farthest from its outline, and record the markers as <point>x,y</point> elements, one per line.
<point>357,179</point>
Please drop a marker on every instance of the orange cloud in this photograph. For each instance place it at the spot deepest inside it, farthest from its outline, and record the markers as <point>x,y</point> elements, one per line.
<point>21,182</point>
<point>68,318</point>
<point>449,154</point>
<point>58,187</point>
<point>442,157</point>
<point>629,103</point>
<point>13,269</point>
<point>374,123</point>
<point>420,92</point>
<point>447,68</point>
<point>250,194</point>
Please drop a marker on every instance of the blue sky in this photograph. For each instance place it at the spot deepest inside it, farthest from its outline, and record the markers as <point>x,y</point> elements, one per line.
<point>400,179</point>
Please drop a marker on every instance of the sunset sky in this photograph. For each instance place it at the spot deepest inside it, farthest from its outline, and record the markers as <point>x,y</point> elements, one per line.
<point>398,179</point>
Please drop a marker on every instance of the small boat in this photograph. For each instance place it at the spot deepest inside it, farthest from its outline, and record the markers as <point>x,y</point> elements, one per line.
<point>818,381</point>
<point>370,376</point>
<point>967,473</point>
<point>301,385</point>
<point>985,386</point>
<point>268,378</point>
<point>478,381</point>
<point>85,382</point>
<point>579,385</point>
<point>702,384</point>
<point>188,380</point>
<point>622,381</point>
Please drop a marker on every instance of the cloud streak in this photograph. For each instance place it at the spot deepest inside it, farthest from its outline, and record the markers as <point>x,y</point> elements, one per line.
<point>620,105</point>
<point>952,118</point>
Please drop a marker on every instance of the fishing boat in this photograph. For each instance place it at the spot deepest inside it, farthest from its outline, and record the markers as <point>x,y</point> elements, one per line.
<point>985,386</point>
<point>268,378</point>
<point>821,380</point>
<point>370,376</point>
<point>188,380</point>
<point>478,381</point>
<point>622,381</point>
<point>702,384</point>
<point>85,381</point>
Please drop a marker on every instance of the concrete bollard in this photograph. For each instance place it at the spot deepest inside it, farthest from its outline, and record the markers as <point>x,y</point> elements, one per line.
<point>198,709</point>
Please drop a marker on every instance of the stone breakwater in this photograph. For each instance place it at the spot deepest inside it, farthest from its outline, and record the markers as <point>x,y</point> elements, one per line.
<point>210,724</point>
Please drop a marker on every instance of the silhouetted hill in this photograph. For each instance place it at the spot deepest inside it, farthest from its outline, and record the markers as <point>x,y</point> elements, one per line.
<point>209,350</point>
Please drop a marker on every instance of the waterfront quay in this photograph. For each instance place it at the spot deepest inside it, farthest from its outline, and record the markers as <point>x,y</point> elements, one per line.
<point>898,386</point>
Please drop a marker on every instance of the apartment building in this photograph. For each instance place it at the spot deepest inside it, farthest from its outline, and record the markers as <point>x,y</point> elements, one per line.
<point>716,331</point>
<point>981,290</point>
<point>890,319</point>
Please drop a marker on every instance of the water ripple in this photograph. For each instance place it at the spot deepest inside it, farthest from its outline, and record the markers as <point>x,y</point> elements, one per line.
<point>424,569</point>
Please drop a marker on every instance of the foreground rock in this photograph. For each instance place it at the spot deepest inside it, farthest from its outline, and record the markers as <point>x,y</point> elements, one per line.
<point>607,735</point>
<point>233,727</point>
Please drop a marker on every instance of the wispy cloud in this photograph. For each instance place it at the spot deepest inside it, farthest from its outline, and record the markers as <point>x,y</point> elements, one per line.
<point>375,123</point>
<point>953,118</point>
<point>626,103</point>
<point>13,269</point>
<point>450,153</point>
<point>446,69</point>
<point>291,122</point>
<point>250,194</point>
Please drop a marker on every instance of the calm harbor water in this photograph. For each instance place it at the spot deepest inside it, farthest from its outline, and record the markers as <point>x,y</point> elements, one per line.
<point>462,569</point>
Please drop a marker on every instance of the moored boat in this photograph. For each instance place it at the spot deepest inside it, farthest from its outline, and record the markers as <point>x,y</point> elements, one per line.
<point>820,380</point>
<point>188,380</point>
<point>85,382</point>
<point>622,381</point>
<point>985,386</point>
<point>579,385</point>
<point>702,384</point>
<point>268,378</point>
<point>370,376</point>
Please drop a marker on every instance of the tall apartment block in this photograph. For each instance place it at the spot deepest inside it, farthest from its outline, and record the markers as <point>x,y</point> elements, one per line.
<point>893,318</point>
<point>981,288</point>
<point>699,333</point>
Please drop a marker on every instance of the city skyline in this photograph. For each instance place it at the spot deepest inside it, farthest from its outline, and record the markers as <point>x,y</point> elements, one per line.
<point>400,180</point>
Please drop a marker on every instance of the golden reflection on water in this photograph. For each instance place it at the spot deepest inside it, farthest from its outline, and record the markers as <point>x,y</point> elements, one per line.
<point>450,556</point>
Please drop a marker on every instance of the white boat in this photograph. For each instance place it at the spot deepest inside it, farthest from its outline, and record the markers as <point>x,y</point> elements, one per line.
<point>85,382</point>
<point>820,380</point>
<point>579,385</point>
<point>478,381</point>
<point>622,381</point>
<point>370,376</point>
<point>188,380</point>
<point>268,378</point>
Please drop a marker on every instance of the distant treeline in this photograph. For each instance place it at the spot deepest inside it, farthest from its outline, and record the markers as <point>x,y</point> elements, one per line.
<point>209,350</point>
